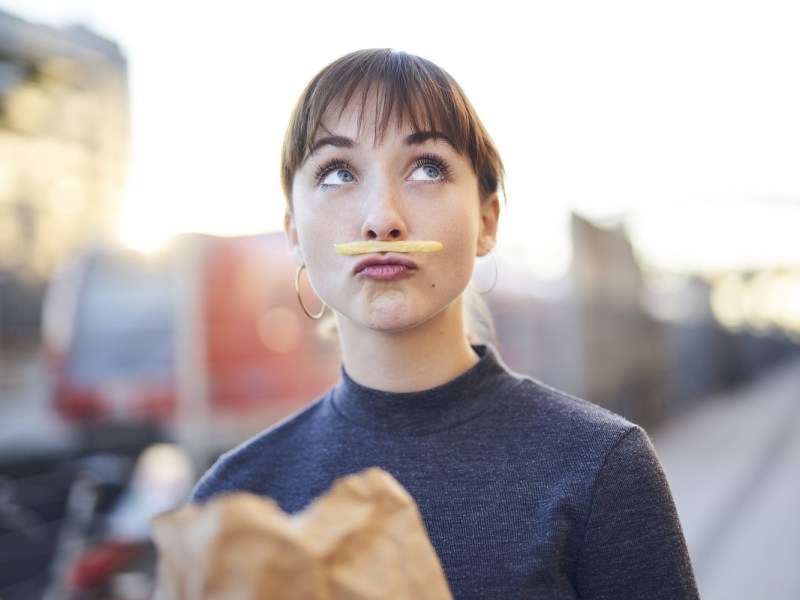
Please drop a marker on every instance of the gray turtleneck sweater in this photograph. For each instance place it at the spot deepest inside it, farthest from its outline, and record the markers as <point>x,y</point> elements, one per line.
<point>525,492</point>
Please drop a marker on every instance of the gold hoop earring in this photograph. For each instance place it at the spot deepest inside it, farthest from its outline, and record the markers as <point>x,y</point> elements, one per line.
<point>494,281</point>
<point>316,316</point>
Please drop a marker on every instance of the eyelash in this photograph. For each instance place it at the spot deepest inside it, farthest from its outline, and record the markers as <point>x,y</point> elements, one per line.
<point>436,161</point>
<point>330,166</point>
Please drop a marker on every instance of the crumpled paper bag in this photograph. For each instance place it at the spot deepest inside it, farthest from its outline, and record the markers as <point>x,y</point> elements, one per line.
<point>363,540</point>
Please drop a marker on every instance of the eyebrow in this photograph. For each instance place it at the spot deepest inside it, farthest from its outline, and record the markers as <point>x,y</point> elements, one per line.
<point>337,141</point>
<point>414,139</point>
<point>420,137</point>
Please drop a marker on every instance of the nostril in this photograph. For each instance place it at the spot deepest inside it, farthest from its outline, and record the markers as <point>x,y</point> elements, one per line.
<point>394,234</point>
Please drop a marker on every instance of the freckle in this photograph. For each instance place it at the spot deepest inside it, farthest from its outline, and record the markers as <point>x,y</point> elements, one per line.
<point>433,285</point>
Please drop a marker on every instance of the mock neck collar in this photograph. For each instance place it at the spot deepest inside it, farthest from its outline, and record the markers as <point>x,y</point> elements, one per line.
<point>427,411</point>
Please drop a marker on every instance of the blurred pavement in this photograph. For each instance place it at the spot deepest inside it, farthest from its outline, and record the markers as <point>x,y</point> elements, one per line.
<point>734,466</point>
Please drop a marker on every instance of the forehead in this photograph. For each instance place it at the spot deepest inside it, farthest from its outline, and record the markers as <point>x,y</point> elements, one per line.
<point>377,111</point>
<point>360,123</point>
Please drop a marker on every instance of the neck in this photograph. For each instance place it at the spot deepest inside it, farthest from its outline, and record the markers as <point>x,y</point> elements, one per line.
<point>411,360</point>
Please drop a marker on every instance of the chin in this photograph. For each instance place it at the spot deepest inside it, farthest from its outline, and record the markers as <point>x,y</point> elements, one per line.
<point>390,323</point>
<point>399,321</point>
<point>385,318</point>
<point>398,312</point>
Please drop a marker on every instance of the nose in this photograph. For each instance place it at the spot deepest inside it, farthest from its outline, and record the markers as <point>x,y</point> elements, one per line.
<point>385,219</point>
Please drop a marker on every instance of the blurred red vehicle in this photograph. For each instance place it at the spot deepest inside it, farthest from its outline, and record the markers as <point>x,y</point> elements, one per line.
<point>204,340</point>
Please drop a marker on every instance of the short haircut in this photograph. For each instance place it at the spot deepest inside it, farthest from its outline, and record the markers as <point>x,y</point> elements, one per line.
<point>408,89</point>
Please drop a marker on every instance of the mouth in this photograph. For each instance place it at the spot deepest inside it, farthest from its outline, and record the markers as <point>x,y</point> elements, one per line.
<point>384,268</point>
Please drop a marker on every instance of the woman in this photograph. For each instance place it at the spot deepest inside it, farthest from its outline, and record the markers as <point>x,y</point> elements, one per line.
<point>525,492</point>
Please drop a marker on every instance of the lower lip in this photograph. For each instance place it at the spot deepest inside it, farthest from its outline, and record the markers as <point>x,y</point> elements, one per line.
<point>385,272</point>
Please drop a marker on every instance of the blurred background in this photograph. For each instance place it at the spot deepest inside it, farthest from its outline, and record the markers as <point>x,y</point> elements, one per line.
<point>649,259</point>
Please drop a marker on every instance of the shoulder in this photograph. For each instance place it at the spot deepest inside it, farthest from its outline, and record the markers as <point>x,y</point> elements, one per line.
<point>561,417</point>
<point>249,465</point>
<point>611,451</point>
<point>601,470</point>
<point>539,419</point>
<point>631,542</point>
<point>531,395</point>
<point>576,444</point>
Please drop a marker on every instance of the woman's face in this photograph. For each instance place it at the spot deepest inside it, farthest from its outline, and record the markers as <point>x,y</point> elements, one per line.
<point>406,186</point>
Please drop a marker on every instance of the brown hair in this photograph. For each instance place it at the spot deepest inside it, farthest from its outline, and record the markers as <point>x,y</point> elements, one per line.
<point>408,88</point>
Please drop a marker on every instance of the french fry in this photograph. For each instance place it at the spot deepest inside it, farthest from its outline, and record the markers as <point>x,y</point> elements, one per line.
<point>369,247</point>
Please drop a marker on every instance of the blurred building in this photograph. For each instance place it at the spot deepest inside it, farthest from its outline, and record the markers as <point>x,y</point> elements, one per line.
<point>654,341</point>
<point>63,156</point>
<point>640,342</point>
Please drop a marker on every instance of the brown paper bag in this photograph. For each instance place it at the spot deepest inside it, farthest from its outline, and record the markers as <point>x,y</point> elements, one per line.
<point>363,540</point>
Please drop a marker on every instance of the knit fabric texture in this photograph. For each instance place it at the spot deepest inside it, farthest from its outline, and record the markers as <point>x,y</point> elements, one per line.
<point>525,492</point>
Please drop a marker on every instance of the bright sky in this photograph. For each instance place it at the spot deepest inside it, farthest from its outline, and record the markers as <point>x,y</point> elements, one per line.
<point>601,107</point>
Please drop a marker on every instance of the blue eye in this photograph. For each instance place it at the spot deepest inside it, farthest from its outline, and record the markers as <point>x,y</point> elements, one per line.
<point>429,168</point>
<point>428,172</point>
<point>338,177</point>
<point>335,172</point>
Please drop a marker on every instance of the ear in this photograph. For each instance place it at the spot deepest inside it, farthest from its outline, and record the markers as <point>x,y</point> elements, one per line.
<point>292,240</point>
<point>490,215</point>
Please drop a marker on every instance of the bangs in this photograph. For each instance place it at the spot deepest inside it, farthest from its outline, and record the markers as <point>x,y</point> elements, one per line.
<point>402,93</point>
<point>401,89</point>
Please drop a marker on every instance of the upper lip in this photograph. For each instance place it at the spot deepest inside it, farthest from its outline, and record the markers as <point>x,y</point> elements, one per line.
<point>385,259</point>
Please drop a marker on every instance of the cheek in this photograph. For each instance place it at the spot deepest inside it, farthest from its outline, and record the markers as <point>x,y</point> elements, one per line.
<point>317,246</point>
<point>459,237</point>
<point>459,227</point>
<point>316,233</point>
<point>311,219</point>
